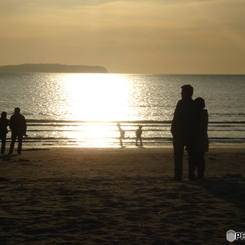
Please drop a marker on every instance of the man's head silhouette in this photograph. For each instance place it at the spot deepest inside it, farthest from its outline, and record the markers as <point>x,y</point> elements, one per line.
<point>17,110</point>
<point>187,91</point>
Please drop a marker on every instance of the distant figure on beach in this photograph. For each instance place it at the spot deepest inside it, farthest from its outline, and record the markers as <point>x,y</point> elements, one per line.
<point>4,123</point>
<point>183,129</point>
<point>122,134</point>
<point>202,144</point>
<point>17,125</point>
<point>138,136</point>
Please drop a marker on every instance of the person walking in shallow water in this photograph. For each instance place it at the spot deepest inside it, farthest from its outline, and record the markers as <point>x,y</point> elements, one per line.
<point>4,123</point>
<point>122,134</point>
<point>17,125</point>
<point>138,136</point>
<point>183,129</point>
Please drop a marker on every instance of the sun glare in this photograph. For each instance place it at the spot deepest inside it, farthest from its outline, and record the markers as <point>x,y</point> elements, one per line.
<point>95,98</point>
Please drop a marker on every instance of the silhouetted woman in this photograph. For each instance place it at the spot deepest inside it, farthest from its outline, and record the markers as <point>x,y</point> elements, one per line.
<point>4,122</point>
<point>202,136</point>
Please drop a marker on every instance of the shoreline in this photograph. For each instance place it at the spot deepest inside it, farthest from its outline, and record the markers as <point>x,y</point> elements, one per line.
<point>97,133</point>
<point>129,146</point>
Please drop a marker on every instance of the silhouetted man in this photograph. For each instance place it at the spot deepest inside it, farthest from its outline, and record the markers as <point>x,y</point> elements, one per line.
<point>183,130</point>
<point>17,124</point>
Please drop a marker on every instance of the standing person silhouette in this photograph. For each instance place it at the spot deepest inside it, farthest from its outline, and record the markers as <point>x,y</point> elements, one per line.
<point>122,134</point>
<point>4,123</point>
<point>138,136</point>
<point>17,125</point>
<point>183,131</point>
<point>202,143</point>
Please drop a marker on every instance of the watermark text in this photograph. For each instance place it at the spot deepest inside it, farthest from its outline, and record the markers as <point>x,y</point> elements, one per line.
<point>232,236</point>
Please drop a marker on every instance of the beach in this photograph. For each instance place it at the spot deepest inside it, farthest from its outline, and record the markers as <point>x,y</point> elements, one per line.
<point>72,195</point>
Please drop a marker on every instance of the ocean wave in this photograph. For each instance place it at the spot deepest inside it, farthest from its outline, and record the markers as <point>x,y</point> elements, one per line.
<point>122,122</point>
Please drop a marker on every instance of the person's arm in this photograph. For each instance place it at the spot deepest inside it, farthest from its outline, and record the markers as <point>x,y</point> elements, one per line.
<point>175,121</point>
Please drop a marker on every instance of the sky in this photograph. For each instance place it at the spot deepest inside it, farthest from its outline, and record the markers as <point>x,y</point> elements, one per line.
<point>141,37</point>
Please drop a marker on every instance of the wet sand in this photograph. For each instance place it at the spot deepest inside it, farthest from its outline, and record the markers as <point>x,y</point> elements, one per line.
<point>118,196</point>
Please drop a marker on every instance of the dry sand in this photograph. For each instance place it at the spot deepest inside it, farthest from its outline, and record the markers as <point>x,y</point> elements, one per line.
<point>118,196</point>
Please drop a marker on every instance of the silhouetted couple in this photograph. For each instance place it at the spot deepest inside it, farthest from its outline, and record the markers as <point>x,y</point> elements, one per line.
<point>189,130</point>
<point>17,124</point>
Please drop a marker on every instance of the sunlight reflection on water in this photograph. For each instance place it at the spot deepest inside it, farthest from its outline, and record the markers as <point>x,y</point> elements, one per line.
<point>96,98</point>
<point>81,100</point>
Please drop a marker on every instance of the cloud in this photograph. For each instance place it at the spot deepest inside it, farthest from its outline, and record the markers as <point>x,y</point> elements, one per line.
<point>26,5</point>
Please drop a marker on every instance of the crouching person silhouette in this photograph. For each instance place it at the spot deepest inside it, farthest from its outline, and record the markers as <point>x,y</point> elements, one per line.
<point>17,124</point>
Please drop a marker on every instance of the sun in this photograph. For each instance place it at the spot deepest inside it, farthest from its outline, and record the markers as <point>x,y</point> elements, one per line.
<point>90,97</point>
<point>91,100</point>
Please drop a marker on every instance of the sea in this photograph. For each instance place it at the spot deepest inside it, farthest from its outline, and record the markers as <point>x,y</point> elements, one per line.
<point>64,109</point>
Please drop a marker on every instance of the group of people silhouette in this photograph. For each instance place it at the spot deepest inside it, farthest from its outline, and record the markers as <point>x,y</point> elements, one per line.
<point>189,130</point>
<point>138,134</point>
<point>17,125</point>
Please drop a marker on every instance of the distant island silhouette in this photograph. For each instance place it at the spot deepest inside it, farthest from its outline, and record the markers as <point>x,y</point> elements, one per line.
<point>53,68</point>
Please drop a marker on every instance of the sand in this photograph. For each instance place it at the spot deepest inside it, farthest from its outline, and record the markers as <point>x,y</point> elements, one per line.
<point>118,196</point>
